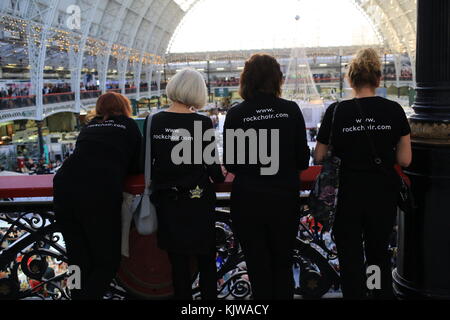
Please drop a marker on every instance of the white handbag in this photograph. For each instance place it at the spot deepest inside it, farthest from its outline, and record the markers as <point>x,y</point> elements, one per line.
<point>144,212</point>
<point>139,207</point>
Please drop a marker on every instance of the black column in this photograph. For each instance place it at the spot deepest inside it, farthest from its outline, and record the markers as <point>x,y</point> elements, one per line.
<point>423,265</point>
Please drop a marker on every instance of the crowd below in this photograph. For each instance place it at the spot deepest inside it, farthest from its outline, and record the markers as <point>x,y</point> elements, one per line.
<point>30,166</point>
<point>226,82</point>
<point>14,96</point>
<point>405,75</point>
<point>11,91</point>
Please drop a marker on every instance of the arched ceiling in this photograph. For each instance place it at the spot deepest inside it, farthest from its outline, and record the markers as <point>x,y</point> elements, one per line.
<point>148,25</point>
<point>127,25</point>
<point>394,20</point>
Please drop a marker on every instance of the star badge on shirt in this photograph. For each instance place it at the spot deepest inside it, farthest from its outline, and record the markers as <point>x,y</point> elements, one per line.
<point>196,193</point>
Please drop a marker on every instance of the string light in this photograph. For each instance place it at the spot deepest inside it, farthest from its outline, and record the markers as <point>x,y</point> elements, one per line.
<point>24,33</point>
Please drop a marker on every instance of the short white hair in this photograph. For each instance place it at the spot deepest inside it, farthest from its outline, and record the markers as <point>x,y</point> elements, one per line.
<point>188,87</point>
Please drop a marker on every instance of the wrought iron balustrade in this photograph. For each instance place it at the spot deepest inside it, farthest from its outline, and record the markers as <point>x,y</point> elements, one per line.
<point>89,94</point>
<point>9,103</point>
<point>58,97</point>
<point>33,259</point>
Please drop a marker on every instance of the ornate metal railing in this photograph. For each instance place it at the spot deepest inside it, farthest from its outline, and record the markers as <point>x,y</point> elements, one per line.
<point>33,261</point>
<point>33,241</point>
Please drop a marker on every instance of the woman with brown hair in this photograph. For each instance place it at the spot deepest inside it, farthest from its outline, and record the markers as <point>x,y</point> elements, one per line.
<point>370,135</point>
<point>265,196</point>
<point>88,193</point>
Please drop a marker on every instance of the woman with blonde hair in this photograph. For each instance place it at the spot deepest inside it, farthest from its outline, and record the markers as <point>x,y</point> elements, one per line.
<point>88,193</point>
<point>370,135</point>
<point>182,176</point>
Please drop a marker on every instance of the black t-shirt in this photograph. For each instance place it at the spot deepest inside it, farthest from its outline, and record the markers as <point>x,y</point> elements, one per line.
<point>166,135</point>
<point>269,112</point>
<point>105,153</point>
<point>384,119</point>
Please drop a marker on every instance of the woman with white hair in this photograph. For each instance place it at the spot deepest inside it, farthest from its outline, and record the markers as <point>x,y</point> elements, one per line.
<point>183,193</point>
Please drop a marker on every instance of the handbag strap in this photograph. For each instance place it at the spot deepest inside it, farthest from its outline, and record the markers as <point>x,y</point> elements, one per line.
<point>330,146</point>
<point>148,153</point>
<point>376,159</point>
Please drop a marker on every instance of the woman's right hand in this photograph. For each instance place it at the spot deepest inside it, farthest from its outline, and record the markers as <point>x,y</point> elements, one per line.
<point>404,151</point>
<point>224,171</point>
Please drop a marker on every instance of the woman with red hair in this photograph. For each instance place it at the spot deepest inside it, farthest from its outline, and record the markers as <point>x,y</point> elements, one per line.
<point>88,193</point>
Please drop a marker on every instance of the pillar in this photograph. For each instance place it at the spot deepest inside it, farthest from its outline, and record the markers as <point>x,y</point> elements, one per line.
<point>423,264</point>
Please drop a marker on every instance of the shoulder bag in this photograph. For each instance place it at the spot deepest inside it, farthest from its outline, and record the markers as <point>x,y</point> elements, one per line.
<point>405,201</point>
<point>144,212</point>
<point>322,199</point>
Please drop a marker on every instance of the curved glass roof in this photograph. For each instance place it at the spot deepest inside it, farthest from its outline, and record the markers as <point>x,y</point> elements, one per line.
<point>186,4</point>
<point>395,20</point>
<point>144,27</point>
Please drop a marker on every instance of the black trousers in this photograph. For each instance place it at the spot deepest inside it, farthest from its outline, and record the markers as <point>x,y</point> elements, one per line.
<point>182,275</point>
<point>92,234</point>
<point>367,207</point>
<point>266,225</point>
